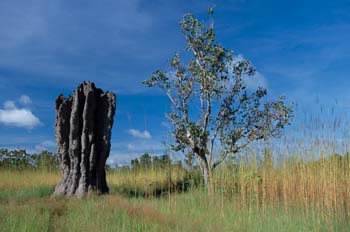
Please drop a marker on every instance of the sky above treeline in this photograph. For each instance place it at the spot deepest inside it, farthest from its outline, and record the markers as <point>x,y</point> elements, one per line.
<point>300,49</point>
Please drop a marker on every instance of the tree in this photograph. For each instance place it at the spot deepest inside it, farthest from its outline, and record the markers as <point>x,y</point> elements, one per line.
<point>47,161</point>
<point>16,159</point>
<point>135,163</point>
<point>189,159</point>
<point>161,161</point>
<point>145,160</point>
<point>229,115</point>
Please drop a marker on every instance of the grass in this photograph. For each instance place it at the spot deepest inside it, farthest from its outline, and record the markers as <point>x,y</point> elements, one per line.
<point>148,182</point>
<point>24,179</point>
<point>294,196</point>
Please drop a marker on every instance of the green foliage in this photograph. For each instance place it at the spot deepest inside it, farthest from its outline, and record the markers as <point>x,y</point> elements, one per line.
<point>229,114</point>
<point>47,160</point>
<point>134,163</point>
<point>24,193</point>
<point>20,159</point>
<point>147,161</point>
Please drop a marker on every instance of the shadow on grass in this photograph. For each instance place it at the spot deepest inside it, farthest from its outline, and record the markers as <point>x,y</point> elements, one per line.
<point>156,189</point>
<point>130,191</point>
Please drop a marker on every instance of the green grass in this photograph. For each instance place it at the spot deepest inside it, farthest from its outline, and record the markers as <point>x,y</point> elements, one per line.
<point>194,211</point>
<point>34,209</point>
<point>34,192</point>
<point>214,213</point>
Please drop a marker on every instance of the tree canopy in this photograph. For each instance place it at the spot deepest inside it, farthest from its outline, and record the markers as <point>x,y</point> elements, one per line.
<point>211,104</point>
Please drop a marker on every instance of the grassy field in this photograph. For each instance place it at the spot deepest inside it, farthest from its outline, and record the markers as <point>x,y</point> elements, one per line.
<point>295,196</point>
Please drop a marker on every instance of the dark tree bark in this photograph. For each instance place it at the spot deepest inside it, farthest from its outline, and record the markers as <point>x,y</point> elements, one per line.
<point>83,132</point>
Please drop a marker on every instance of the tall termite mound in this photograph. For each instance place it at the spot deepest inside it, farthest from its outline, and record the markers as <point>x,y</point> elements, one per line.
<point>83,132</point>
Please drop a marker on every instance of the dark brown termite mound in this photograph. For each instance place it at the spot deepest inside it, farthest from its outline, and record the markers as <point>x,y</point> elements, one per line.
<point>83,132</point>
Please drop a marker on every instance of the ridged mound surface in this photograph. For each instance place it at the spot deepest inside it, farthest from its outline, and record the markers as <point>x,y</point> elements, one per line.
<point>83,131</point>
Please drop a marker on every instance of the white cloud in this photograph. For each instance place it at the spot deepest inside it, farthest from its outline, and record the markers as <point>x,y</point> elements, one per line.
<point>238,58</point>
<point>258,80</point>
<point>121,158</point>
<point>48,144</point>
<point>140,134</point>
<point>165,124</point>
<point>45,145</point>
<point>149,146</point>
<point>131,147</point>
<point>25,100</point>
<point>140,147</point>
<point>8,105</point>
<point>13,116</point>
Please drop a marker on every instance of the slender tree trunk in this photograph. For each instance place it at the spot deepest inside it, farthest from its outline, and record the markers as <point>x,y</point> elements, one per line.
<point>203,162</point>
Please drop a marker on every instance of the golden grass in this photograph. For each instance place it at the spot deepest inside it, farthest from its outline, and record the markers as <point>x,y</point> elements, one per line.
<point>142,178</point>
<point>15,179</point>
<point>295,196</point>
<point>320,189</point>
<point>145,178</point>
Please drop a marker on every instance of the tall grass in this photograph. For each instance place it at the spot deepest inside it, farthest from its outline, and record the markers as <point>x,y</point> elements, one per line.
<point>148,182</point>
<point>28,178</point>
<point>318,189</point>
<point>294,196</point>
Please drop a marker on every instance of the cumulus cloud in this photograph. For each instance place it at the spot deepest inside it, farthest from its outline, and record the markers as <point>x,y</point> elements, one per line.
<point>19,117</point>
<point>25,100</point>
<point>140,134</point>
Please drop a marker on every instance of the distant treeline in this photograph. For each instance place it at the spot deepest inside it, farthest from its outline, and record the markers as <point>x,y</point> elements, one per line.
<point>146,161</point>
<point>21,159</point>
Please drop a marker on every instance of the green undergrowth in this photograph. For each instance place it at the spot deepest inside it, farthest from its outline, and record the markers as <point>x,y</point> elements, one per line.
<point>34,192</point>
<point>36,210</point>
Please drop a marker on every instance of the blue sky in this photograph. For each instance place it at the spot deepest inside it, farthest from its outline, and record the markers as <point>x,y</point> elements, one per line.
<point>300,49</point>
